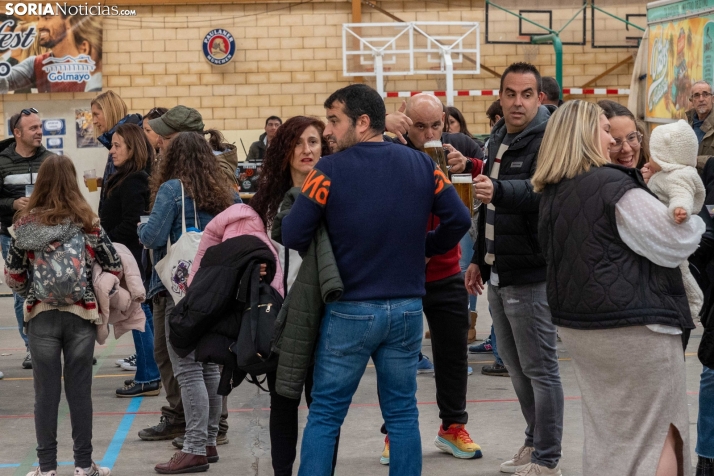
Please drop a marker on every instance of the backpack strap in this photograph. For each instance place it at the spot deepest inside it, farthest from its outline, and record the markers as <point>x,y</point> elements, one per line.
<point>183,210</point>
<point>250,378</point>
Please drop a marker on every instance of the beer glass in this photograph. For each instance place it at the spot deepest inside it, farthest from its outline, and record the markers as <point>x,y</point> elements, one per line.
<point>464,187</point>
<point>90,178</point>
<point>435,150</point>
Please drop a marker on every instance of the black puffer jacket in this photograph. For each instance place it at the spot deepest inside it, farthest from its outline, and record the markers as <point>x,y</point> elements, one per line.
<point>209,316</point>
<point>595,281</point>
<point>518,256</point>
<point>14,175</point>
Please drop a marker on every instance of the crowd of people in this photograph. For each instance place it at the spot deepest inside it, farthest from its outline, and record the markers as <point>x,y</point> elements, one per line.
<point>579,225</point>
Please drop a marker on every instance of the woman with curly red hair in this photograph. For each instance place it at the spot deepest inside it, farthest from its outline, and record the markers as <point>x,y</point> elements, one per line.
<point>290,157</point>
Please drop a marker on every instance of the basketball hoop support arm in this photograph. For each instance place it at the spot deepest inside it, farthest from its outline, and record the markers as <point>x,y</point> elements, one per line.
<point>379,72</point>
<point>558,47</point>
<point>449,66</point>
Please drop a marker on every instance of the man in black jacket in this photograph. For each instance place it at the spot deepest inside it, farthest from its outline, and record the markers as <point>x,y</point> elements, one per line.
<point>508,255</point>
<point>20,159</point>
<point>257,148</point>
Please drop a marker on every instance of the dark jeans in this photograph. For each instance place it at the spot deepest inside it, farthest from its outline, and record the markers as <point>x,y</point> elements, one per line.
<point>447,313</point>
<point>52,334</point>
<point>146,368</point>
<point>527,345</point>
<point>284,426</point>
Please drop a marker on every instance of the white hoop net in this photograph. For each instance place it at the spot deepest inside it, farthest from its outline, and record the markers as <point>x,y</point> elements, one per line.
<point>530,53</point>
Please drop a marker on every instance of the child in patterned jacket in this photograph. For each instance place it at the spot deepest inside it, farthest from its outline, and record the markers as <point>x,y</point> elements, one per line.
<point>56,241</point>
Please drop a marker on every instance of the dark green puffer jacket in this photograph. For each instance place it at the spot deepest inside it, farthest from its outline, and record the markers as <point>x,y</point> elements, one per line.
<point>298,323</point>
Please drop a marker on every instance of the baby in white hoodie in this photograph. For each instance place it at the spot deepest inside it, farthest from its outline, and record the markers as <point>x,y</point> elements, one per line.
<point>671,174</point>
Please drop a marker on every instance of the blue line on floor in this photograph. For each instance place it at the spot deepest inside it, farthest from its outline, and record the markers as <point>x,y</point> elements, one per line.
<point>112,453</point>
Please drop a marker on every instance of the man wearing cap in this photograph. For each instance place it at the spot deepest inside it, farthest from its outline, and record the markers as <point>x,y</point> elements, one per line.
<point>177,119</point>
<point>173,424</point>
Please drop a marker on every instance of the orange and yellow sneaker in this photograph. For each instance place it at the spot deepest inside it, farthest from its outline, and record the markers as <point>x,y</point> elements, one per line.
<point>385,454</point>
<point>456,440</point>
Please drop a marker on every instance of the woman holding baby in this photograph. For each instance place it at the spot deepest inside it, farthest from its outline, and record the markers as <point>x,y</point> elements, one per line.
<point>614,285</point>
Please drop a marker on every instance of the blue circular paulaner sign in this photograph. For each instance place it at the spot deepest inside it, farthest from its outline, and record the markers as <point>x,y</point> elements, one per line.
<point>219,46</point>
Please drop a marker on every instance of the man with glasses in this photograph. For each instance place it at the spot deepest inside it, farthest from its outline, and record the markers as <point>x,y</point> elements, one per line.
<point>702,121</point>
<point>20,159</point>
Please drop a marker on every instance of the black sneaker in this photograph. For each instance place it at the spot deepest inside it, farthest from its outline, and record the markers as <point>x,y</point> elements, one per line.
<point>27,363</point>
<point>163,431</point>
<point>134,389</point>
<point>497,370</point>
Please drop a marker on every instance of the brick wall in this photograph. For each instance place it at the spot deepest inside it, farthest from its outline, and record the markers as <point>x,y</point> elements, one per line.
<point>289,59</point>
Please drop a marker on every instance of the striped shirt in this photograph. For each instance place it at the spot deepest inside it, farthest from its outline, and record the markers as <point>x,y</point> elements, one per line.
<point>490,257</point>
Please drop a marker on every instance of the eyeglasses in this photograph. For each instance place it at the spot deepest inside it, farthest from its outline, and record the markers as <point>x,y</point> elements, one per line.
<point>633,139</point>
<point>703,95</point>
<point>24,112</point>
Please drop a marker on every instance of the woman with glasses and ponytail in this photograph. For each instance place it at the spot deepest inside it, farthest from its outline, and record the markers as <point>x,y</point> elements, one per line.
<point>631,147</point>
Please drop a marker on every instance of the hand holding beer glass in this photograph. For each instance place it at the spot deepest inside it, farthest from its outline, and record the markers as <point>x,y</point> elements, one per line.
<point>435,150</point>
<point>90,179</point>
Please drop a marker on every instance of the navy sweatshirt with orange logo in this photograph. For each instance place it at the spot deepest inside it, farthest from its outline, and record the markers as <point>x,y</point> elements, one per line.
<point>376,199</point>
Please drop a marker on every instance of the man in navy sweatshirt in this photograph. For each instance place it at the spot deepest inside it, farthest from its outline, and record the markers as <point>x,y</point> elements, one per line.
<point>375,198</point>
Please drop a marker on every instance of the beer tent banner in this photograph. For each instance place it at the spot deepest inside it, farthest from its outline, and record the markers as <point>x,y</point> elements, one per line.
<point>50,53</point>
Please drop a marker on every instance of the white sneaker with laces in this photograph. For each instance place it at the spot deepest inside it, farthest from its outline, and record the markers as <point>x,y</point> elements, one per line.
<point>521,459</point>
<point>533,469</point>
<point>94,470</point>
<point>37,472</point>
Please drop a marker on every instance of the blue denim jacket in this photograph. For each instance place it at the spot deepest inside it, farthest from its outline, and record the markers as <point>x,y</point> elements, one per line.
<point>165,220</point>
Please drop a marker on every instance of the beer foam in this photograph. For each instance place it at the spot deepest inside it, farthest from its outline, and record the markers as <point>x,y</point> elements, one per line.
<point>461,178</point>
<point>433,143</point>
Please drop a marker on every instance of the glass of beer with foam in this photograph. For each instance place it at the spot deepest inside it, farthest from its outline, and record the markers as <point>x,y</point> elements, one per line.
<point>464,187</point>
<point>435,150</point>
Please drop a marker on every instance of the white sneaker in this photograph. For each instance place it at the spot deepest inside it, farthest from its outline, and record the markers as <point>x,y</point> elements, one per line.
<point>124,360</point>
<point>37,472</point>
<point>532,469</point>
<point>2,375</point>
<point>520,460</point>
<point>94,470</point>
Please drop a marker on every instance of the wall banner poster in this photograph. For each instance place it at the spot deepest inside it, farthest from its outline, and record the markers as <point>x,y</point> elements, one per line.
<point>681,53</point>
<point>50,54</point>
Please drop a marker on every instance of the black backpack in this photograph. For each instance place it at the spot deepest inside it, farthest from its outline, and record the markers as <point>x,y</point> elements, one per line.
<point>260,303</point>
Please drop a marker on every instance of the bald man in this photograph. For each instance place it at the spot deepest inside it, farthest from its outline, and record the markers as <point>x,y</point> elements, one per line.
<point>446,301</point>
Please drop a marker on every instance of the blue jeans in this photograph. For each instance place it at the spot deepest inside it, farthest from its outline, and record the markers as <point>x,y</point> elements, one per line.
<point>5,242</point>
<point>146,368</point>
<point>388,331</point>
<point>705,422</point>
<point>467,252</point>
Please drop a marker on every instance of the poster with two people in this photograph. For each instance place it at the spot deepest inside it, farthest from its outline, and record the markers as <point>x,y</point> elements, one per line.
<point>50,53</point>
